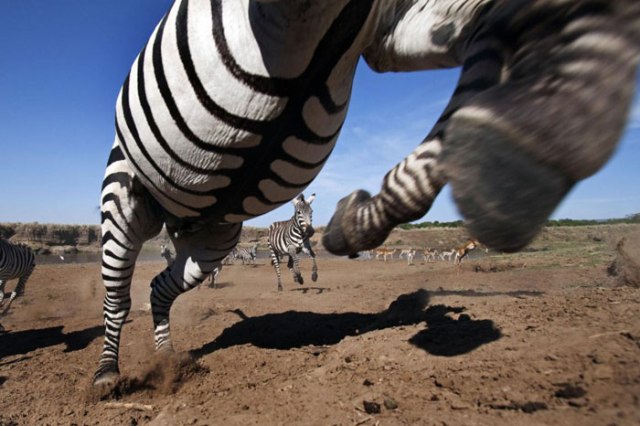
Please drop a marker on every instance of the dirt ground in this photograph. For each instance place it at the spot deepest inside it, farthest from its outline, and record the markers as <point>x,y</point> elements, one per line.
<point>539,338</point>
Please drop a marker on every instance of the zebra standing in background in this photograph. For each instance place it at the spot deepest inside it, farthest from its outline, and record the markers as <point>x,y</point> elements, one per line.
<point>246,255</point>
<point>233,107</point>
<point>166,253</point>
<point>16,261</point>
<point>290,237</point>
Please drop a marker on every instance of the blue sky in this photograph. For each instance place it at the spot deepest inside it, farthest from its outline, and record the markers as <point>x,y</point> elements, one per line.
<point>63,62</point>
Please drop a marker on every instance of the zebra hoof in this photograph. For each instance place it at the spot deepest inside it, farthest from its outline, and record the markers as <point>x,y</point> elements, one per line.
<point>299,279</point>
<point>344,235</point>
<point>314,277</point>
<point>504,194</point>
<point>105,380</point>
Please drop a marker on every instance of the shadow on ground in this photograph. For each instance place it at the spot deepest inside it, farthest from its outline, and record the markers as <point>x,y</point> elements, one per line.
<point>444,336</point>
<point>23,342</point>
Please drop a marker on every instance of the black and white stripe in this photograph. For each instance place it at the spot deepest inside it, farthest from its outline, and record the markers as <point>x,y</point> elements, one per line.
<point>17,261</point>
<point>290,237</point>
<point>234,106</point>
<point>246,255</point>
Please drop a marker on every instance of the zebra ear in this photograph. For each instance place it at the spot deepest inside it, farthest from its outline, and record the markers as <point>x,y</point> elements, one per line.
<point>296,200</point>
<point>311,198</point>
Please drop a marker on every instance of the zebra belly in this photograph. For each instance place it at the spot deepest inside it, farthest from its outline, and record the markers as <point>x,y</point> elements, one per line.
<point>234,188</point>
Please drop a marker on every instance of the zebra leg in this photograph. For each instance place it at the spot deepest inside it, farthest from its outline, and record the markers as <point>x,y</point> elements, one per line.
<point>18,291</point>
<point>514,151</point>
<point>362,222</point>
<point>199,250</point>
<point>294,265</point>
<point>275,259</point>
<point>2,283</point>
<point>130,216</point>
<point>306,248</point>
<point>541,103</point>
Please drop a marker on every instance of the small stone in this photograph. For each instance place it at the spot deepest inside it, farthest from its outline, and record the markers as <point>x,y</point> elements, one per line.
<point>367,382</point>
<point>569,391</point>
<point>390,403</point>
<point>371,407</point>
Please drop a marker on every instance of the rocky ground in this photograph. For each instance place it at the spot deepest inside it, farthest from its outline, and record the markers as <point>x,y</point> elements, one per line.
<point>545,337</point>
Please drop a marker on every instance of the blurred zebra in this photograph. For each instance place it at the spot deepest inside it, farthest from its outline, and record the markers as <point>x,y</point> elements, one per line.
<point>233,108</point>
<point>290,237</point>
<point>246,255</point>
<point>166,253</point>
<point>17,261</point>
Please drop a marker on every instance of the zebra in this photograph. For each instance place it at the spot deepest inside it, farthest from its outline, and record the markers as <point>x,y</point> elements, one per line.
<point>166,253</point>
<point>16,261</point>
<point>246,255</point>
<point>233,107</point>
<point>290,237</point>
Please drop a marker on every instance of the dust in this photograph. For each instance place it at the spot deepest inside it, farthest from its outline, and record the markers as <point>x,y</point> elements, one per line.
<point>163,375</point>
<point>626,265</point>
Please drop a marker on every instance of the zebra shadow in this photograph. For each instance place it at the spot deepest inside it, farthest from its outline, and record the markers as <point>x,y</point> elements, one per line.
<point>444,336</point>
<point>23,342</point>
<point>315,290</point>
<point>518,294</point>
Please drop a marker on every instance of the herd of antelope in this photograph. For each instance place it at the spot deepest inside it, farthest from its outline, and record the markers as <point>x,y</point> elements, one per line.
<point>455,255</point>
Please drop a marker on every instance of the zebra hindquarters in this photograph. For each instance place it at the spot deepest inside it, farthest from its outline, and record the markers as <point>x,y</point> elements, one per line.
<point>514,151</point>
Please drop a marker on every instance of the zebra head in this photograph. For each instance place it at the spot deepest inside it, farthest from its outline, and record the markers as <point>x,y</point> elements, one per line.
<point>303,213</point>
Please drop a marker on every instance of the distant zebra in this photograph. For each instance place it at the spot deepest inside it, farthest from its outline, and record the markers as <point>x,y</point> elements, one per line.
<point>16,261</point>
<point>246,255</point>
<point>290,237</point>
<point>233,108</point>
<point>166,253</point>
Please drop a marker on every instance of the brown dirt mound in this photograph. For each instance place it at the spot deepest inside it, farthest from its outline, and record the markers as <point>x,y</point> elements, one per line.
<point>626,266</point>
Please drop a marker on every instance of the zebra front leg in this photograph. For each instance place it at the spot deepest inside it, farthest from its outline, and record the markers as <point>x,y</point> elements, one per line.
<point>294,265</point>
<point>362,222</point>
<point>306,248</point>
<point>198,252</point>
<point>129,217</point>
<point>514,151</point>
<point>18,291</point>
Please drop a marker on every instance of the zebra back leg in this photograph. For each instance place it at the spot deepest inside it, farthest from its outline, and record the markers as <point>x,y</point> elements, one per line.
<point>275,259</point>
<point>198,252</point>
<point>130,216</point>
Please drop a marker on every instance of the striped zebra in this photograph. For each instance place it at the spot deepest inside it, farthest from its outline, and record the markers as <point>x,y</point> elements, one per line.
<point>233,107</point>
<point>17,261</point>
<point>246,255</point>
<point>290,237</point>
<point>165,252</point>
